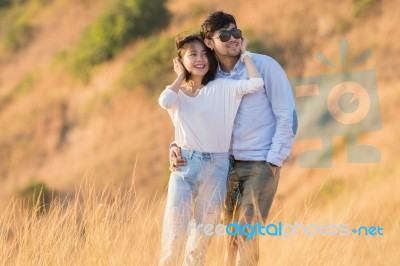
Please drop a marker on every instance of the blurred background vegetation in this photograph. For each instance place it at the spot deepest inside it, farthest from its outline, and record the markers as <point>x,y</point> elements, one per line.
<point>121,23</point>
<point>79,81</point>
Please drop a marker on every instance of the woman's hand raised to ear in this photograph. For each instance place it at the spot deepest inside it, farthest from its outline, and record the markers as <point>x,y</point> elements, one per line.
<point>181,74</point>
<point>178,67</point>
<point>245,42</point>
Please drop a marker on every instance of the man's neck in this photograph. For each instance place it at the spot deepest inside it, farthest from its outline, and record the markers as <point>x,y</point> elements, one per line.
<point>227,63</point>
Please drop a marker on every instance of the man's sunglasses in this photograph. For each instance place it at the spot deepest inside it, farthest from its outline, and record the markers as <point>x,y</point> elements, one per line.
<point>225,35</point>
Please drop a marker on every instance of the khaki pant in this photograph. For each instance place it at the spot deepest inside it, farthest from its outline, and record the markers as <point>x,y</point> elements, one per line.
<point>251,188</point>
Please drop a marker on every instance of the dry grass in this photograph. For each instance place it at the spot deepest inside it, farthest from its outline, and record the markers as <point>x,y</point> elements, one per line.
<point>116,226</point>
<point>110,226</point>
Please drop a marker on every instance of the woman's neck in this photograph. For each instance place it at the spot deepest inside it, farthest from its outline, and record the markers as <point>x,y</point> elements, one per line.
<point>193,86</point>
<point>196,83</point>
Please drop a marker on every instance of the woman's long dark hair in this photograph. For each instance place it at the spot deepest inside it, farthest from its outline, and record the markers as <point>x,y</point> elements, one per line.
<point>181,43</point>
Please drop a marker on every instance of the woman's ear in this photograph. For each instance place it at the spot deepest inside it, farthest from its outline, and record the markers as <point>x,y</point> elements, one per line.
<point>186,71</point>
<point>209,43</point>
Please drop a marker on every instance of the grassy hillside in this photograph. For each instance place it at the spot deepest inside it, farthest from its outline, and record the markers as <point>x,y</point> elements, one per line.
<point>63,120</point>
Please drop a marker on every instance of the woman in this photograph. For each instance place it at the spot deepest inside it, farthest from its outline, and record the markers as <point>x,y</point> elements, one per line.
<point>202,110</point>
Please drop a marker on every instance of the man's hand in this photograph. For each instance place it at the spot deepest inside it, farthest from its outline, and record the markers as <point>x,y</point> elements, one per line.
<point>274,168</point>
<point>175,159</point>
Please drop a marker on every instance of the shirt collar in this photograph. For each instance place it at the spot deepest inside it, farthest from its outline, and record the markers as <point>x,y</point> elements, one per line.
<point>238,66</point>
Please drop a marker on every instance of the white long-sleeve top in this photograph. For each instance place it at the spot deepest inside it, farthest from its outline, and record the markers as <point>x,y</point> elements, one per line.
<point>204,122</point>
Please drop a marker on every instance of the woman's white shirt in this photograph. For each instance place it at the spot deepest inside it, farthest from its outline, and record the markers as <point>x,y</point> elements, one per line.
<point>204,122</point>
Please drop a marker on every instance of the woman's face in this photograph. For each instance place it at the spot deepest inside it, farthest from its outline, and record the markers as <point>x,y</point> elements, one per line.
<point>195,59</point>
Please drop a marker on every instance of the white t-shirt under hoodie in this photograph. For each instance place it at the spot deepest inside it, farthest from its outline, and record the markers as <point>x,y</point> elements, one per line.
<point>204,122</point>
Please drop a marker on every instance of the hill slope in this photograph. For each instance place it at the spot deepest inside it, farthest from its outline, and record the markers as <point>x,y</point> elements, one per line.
<point>59,129</point>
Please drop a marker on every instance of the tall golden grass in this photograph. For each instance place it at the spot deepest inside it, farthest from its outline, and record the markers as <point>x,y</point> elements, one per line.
<point>114,225</point>
<point>107,226</point>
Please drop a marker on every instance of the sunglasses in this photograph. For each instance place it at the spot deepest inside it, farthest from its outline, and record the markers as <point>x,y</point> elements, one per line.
<point>225,35</point>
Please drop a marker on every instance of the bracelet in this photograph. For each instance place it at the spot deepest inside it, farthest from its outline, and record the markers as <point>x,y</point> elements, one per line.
<point>244,54</point>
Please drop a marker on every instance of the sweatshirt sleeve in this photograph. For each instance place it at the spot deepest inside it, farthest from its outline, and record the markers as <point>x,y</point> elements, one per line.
<point>168,99</point>
<point>246,86</point>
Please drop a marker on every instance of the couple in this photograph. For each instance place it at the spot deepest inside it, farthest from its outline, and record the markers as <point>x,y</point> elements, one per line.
<point>235,122</point>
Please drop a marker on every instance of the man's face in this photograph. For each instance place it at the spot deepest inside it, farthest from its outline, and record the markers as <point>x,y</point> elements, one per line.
<point>228,48</point>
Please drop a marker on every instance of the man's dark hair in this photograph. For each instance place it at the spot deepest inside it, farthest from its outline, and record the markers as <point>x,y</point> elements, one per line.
<point>181,43</point>
<point>215,21</point>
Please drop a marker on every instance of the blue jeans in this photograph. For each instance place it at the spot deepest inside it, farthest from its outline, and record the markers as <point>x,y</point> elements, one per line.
<point>195,192</point>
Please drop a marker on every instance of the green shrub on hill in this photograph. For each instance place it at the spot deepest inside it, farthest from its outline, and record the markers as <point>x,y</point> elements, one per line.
<point>17,29</point>
<point>5,3</point>
<point>123,22</point>
<point>363,7</point>
<point>332,188</point>
<point>18,36</point>
<point>25,85</point>
<point>268,47</point>
<point>151,67</point>
<point>37,196</point>
<point>8,3</point>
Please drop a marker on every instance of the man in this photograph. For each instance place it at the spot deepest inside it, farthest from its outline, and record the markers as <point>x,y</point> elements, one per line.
<point>262,138</point>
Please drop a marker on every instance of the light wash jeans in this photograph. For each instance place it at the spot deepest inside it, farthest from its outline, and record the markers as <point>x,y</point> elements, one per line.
<point>195,192</point>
